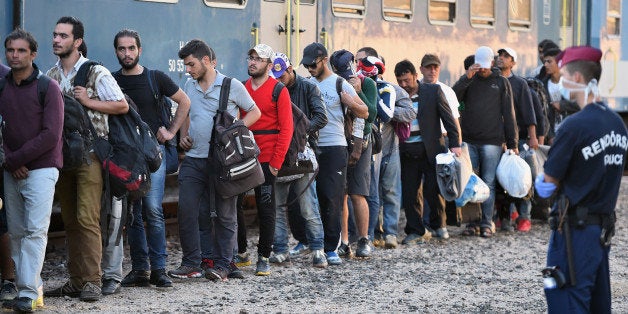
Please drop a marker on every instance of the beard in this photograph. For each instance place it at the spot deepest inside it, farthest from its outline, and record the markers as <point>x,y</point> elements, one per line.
<point>256,73</point>
<point>65,53</point>
<point>127,66</point>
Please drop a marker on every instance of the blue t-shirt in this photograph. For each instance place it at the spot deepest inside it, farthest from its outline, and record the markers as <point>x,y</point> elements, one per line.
<point>588,157</point>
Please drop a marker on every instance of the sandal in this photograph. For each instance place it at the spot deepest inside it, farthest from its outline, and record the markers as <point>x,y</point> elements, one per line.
<point>486,232</point>
<point>469,230</point>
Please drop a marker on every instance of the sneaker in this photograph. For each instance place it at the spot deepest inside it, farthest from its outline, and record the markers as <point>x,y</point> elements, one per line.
<point>262,268</point>
<point>441,233</point>
<point>333,258</point>
<point>217,274</point>
<point>40,297</point>
<point>8,291</point>
<point>242,259</point>
<point>505,225</point>
<point>235,272</point>
<point>110,286</point>
<point>364,248</point>
<point>66,290</point>
<point>318,259</point>
<point>524,225</point>
<point>159,278</point>
<point>135,278</point>
<point>344,250</point>
<point>299,249</point>
<point>206,263</point>
<point>91,292</point>
<point>378,241</point>
<point>391,241</point>
<point>414,238</point>
<point>514,215</point>
<point>185,272</point>
<point>280,259</point>
<point>21,305</point>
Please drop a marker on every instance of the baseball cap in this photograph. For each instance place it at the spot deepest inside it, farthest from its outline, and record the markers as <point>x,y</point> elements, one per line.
<point>484,57</point>
<point>511,52</point>
<point>280,64</point>
<point>312,51</point>
<point>263,51</point>
<point>430,59</point>
<point>341,60</point>
<point>579,53</point>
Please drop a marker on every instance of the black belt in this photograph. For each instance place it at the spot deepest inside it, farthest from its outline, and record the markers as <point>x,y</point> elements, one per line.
<point>590,219</point>
<point>264,132</point>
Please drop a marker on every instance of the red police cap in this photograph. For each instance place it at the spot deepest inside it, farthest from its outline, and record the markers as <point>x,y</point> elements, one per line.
<point>579,53</point>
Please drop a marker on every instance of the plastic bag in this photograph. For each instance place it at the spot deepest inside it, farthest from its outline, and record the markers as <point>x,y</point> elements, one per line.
<point>452,173</point>
<point>514,175</point>
<point>476,191</point>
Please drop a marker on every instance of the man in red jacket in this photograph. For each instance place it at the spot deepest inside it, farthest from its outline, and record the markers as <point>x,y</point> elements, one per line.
<point>273,133</point>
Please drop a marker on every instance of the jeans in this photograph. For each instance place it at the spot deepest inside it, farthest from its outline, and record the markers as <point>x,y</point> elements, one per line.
<point>484,160</point>
<point>388,194</point>
<point>113,253</point>
<point>149,242</point>
<point>193,213</point>
<point>330,189</point>
<point>79,192</point>
<point>295,219</point>
<point>29,205</point>
<point>311,215</point>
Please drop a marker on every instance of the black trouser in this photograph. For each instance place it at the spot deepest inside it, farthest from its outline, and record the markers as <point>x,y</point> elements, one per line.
<point>330,188</point>
<point>415,167</point>
<point>265,202</point>
<point>242,242</point>
<point>295,219</point>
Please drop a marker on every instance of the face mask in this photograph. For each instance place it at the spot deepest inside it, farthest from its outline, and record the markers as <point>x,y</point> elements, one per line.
<point>589,88</point>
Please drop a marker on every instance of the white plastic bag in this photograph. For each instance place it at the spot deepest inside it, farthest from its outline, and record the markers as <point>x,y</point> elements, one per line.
<point>476,191</point>
<point>514,175</point>
<point>452,173</point>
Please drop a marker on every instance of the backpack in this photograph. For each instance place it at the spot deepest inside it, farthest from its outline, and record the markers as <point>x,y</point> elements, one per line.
<point>292,164</point>
<point>232,152</point>
<point>164,107</point>
<point>538,87</point>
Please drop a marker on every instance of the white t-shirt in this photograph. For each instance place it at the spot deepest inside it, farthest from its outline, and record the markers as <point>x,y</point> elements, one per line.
<point>333,133</point>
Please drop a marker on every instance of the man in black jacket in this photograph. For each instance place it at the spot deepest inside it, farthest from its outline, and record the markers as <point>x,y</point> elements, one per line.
<point>418,152</point>
<point>307,97</point>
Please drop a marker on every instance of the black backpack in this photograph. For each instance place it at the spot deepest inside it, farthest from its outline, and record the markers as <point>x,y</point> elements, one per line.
<point>537,87</point>
<point>232,152</point>
<point>291,163</point>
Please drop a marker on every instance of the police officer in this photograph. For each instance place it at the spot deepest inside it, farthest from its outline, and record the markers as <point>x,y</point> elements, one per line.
<point>584,168</point>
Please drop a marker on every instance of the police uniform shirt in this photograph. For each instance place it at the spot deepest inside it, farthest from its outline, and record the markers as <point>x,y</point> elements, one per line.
<point>588,157</point>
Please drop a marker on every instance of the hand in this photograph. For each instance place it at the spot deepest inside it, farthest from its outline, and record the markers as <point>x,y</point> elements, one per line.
<point>186,142</point>
<point>80,94</point>
<point>164,135</point>
<point>472,70</point>
<point>356,151</point>
<point>556,105</point>
<point>456,150</point>
<point>356,83</point>
<point>273,171</point>
<point>515,151</point>
<point>533,143</point>
<point>21,173</point>
<point>541,140</point>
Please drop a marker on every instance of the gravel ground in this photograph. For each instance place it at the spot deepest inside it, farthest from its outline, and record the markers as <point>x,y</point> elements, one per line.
<point>471,275</point>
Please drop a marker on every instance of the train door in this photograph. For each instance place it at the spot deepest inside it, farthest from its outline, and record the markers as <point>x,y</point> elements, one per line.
<point>567,36</point>
<point>278,17</point>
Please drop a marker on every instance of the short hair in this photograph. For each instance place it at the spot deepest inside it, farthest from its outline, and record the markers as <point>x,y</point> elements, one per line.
<point>549,45</point>
<point>369,51</point>
<point>404,66</point>
<point>198,49</point>
<point>553,52</point>
<point>127,33</point>
<point>546,42</point>
<point>19,33</point>
<point>589,69</point>
<point>469,61</point>
<point>78,30</point>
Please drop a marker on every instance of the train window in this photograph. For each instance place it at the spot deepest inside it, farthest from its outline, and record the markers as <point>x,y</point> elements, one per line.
<point>304,2</point>
<point>397,10</point>
<point>442,12</point>
<point>520,14</point>
<point>235,4</point>
<point>349,8</point>
<point>482,13</point>
<point>166,1</point>
<point>613,18</point>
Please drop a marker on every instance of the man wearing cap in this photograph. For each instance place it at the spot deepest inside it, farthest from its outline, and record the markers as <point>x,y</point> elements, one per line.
<point>584,169</point>
<point>527,120</point>
<point>385,192</point>
<point>358,173</point>
<point>307,97</point>
<point>430,69</point>
<point>418,152</point>
<point>487,121</point>
<point>332,151</point>
<point>273,133</point>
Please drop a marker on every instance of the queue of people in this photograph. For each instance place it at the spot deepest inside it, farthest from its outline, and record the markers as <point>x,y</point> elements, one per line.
<point>375,145</point>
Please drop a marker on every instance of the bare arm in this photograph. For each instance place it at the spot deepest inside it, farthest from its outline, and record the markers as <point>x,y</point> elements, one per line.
<point>355,104</point>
